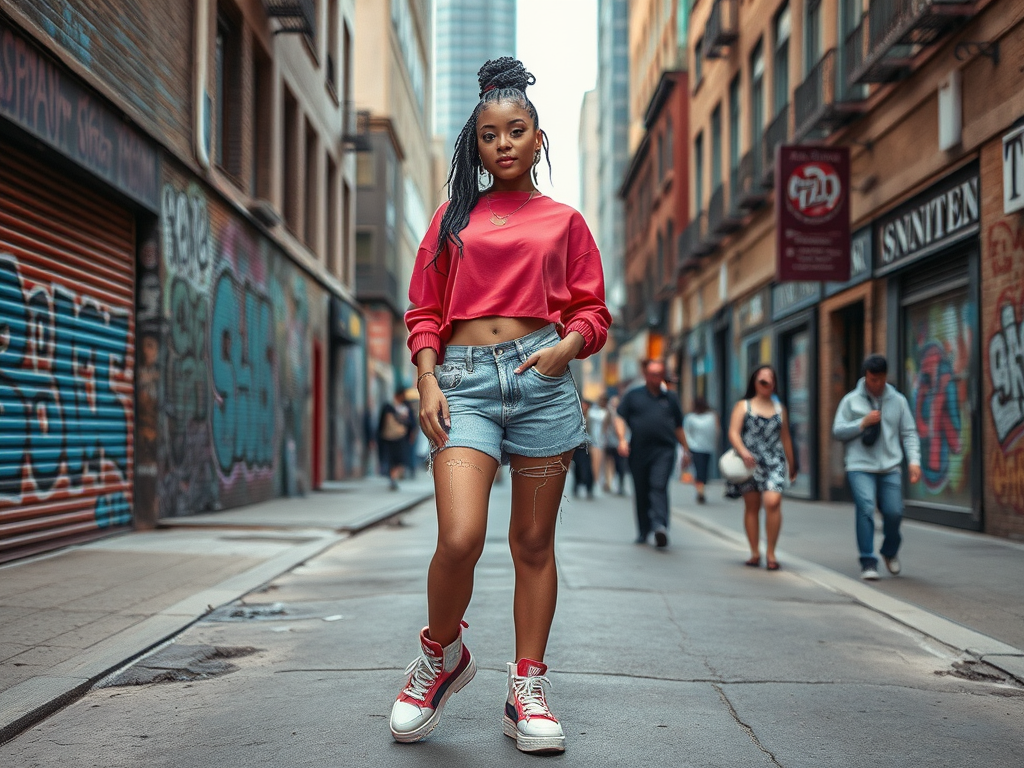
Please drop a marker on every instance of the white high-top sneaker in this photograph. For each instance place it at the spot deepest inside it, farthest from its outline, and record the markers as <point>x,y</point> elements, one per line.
<point>434,676</point>
<point>527,717</point>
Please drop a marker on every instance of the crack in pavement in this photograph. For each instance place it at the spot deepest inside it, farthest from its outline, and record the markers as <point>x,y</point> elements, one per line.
<point>746,728</point>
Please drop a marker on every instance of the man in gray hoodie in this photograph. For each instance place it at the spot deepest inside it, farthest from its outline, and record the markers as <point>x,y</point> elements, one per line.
<point>872,421</point>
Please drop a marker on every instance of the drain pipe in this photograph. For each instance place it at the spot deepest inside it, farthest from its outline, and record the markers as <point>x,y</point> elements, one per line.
<point>201,65</point>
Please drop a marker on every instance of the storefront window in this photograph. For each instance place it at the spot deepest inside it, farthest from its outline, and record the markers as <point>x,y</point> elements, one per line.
<point>938,337</point>
<point>798,397</point>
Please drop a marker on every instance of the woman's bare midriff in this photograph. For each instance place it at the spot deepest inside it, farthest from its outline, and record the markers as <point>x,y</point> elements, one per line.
<point>485,331</point>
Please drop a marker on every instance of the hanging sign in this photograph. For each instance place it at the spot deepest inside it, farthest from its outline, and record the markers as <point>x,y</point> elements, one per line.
<point>1013,171</point>
<point>812,213</point>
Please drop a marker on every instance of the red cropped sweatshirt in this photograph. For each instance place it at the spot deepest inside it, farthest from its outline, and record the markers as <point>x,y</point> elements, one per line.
<point>542,263</point>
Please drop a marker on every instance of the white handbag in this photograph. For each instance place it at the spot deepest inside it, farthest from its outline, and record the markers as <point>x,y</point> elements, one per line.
<point>732,467</point>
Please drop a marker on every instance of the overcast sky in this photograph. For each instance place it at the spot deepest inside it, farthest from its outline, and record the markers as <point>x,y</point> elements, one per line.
<point>557,41</point>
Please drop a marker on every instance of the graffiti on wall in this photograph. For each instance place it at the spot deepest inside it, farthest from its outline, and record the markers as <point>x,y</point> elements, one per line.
<point>65,396</point>
<point>939,339</point>
<point>237,389</point>
<point>1006,368</point>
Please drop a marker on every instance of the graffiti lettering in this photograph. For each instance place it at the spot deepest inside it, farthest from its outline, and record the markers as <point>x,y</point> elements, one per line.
<point>1007,477</point>
<point>35,95</point>
<point>60,414</point>
<point>186,225</point>
<point>1004,244</point>
<point>1006,364</point>
<point>937,413</point>
<point>242,365</point>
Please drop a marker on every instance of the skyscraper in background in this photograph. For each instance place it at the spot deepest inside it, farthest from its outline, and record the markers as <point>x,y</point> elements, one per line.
<point>466,34</point>
<point>613,129</point>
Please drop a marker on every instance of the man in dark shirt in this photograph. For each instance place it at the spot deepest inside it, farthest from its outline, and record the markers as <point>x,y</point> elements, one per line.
<point>655,421</point>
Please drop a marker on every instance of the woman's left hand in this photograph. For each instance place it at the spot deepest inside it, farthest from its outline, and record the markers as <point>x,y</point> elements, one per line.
<point>550,361</point>
<point>792,473</point>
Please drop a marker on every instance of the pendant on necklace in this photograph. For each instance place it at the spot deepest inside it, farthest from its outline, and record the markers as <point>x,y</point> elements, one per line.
<point>497,220</point>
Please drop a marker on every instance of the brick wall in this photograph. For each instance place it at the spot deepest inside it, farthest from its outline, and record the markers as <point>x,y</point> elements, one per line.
<point>138,53</point>
<point>1002,351</point>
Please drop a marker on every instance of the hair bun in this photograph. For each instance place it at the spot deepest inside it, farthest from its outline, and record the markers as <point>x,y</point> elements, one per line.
<point>504,73</point>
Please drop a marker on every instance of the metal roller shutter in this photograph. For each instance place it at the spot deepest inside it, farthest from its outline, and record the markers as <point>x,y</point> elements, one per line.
<point>67,349</point>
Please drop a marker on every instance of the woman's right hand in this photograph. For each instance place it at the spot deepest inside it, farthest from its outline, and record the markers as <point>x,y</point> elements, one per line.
<point>435,419</point>
<point>748,458</point>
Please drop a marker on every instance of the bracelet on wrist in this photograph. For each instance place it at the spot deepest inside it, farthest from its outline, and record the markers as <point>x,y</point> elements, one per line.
<point>424,375</point>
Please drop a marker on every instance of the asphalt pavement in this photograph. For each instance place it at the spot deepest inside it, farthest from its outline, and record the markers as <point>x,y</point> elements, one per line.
<point>671,657</point>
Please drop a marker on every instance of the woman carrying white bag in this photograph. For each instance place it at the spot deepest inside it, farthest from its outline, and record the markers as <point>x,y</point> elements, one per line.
<point>759,434</point>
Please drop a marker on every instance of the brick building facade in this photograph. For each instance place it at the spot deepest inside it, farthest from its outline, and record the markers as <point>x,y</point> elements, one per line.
<point>176,254</point>
<point>923,94</point>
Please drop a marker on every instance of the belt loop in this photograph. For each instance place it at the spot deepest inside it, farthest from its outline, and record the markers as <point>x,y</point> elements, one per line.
<point>521,350</point>
<point>469,359</point>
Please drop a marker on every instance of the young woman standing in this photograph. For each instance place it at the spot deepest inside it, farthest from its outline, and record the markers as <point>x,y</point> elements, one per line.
<point>759,431</point>
<point>507,289</point>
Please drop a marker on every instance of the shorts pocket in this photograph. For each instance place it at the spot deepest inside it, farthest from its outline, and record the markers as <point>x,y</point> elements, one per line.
<point>449,376</point>
<point>543,377</point>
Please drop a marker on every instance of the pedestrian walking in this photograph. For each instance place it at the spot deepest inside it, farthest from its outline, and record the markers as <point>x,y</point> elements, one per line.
<point>597,418</point>
<point>701,429</point>
<point>612,463</point>
<point>393,432</point>
<point>582,466</point>
<point>759,431</point>
<point>506,290</point>
<point>655,421</point>
<point>876,426</point>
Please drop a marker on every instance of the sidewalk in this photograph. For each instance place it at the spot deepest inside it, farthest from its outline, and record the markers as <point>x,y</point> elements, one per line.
<point>69,617</point>
<point>961,587</point>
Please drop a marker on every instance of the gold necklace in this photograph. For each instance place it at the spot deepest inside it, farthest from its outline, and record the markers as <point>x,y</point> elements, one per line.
<point>500,221</point>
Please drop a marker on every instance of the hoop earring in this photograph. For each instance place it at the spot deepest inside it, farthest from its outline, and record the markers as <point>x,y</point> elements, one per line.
<point>485,177</point>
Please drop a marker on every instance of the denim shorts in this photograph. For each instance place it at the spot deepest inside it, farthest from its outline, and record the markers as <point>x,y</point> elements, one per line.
<point>500,412</point>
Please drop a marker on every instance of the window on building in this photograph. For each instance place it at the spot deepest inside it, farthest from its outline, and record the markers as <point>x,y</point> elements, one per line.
<point>334,219</point>
<point>780,74</point>
<point>312,199</point>
<point>292,190</point>
<point>734,122</point>
<point>716,147</point>
<point>262,124</point>
<point>659,268</point>
<point>698,173</point>
<point>756,94</point>
<point>698,61</point>
<point>331,59</point>
<point>346,233</point>
<point>812,35</point>
<point>228,96</point>
<point>345,76</point>
<point>670,261</point>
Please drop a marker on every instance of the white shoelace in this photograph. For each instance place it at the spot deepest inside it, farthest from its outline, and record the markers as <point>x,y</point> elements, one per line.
<point>422,672</point>
<point>531,693</point>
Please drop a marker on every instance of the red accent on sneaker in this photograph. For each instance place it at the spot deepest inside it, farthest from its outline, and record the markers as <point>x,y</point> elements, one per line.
<point>531,668</point>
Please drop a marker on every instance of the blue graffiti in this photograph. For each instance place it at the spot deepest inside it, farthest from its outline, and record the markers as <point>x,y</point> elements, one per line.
<point>59,412</point>
<point>242,366</point>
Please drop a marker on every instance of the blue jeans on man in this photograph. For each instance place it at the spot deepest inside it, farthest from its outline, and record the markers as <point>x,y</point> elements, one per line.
<point>884,491</point>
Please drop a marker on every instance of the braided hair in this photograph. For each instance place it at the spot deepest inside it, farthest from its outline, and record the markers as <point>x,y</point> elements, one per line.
<point>503,79</point>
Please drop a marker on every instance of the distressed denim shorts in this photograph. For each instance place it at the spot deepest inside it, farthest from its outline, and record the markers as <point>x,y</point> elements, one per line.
<point>500,412</point>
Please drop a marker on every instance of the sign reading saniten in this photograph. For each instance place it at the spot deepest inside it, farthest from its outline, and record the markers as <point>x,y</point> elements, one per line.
<point>812,213</point>
<point>1013,171</point>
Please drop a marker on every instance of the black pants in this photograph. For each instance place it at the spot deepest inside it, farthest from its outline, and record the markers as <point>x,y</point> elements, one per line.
<point>651,469</point>
<point>583,471</point>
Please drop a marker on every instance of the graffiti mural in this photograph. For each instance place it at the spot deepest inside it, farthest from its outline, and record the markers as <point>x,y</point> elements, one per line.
<point>1006,404</point>
<point>65,396</point>
<point>937,366</point>
<point>240,321</point>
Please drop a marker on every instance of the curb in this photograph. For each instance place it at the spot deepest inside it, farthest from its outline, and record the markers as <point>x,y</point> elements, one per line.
<point>379,516</point>
<point>1004,657</point>
<point>35,699</point>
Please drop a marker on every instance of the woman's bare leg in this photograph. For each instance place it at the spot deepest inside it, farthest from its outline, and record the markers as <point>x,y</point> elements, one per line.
<point>772,521</point>
<point>462,487</point>
<point>537,486</point>
<point>752,522</point>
